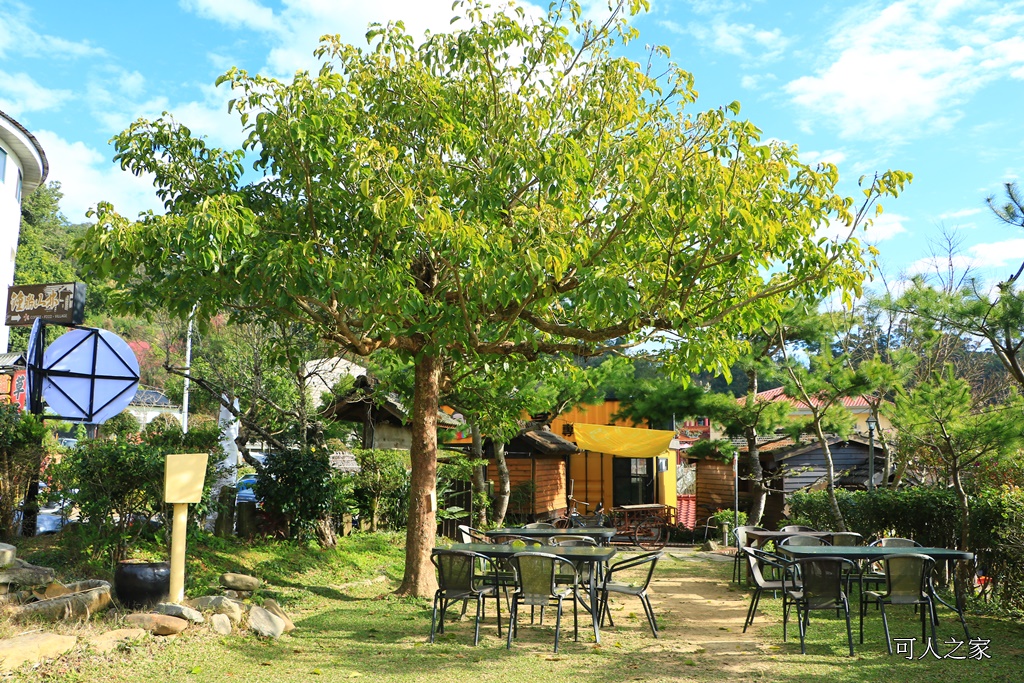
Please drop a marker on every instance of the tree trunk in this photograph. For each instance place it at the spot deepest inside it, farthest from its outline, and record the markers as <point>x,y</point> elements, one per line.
<point>325,533</point>
<point>419,580</point>
<point>479,483</point>
<point>504,485</point>
<point>830,473</point>
<point>963,570</point>
<point>759,495</point>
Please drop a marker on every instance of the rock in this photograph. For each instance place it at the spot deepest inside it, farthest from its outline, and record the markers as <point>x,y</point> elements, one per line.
<point>55,590</point>
<point>157,624</point>
<point>25,574</point>
<point>237,595</point>
<point>275,609</point>
<point>218,604</point>
<point>709,546</point>
<point>7,554</point>
<point>239,582</point>
<point>32,647</point>
<point>180,611</point>
<point>105,642</point>
<point>221,624</point>
<point>265,623</point>
<point>84,598</point>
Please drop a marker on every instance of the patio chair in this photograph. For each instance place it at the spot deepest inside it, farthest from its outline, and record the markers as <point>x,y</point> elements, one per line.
<point>572,540</point>
<point>756,560</point>
<point>873,573</point>
<point>468,534</point>
<point>739,537</point>
<point>907,582</point>
<point>535,586</point>
<point>539,525</point>
<point>803,539</point>
<point>847,538</point>
<point>639,590</point>
<point>458,579</point>
<point>818,583</point>
<point>796,528</point>
<point>511,539</point>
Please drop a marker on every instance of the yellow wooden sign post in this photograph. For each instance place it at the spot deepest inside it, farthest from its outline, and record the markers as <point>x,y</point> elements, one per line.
<point>183,484</point>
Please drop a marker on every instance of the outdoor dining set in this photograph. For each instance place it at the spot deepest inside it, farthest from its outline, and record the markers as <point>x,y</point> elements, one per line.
<point>817,570</point>
<point>537,566</point>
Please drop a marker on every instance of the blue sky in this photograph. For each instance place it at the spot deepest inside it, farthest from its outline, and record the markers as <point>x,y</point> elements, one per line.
<point>931,87</point>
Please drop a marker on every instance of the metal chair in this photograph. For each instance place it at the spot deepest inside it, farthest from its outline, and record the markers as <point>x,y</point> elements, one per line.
<point>457,579</point>
<point>803,539</point>
<point>572,540</point>
<point>796,528</point>
<point>640,590</point>
<point>510,539</point>
<point>539,525</point>
<point>907,582</point>
<point>847,538</point>
<point>535,586</point>
<point>468,534</point>
<point>757,560</point>
<point>817,583</point>
<point>873,573</point>
<point>739,536</point>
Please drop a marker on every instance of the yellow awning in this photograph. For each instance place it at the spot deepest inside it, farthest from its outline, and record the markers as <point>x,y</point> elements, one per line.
<point>622,442</point>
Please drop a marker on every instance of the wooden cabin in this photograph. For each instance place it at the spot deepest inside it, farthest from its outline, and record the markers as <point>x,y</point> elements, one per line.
<point>537,462</point>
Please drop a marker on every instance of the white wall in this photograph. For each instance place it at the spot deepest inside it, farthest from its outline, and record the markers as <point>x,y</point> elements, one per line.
<point>10,223</point>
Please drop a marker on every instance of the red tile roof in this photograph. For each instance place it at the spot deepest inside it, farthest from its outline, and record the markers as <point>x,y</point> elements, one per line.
<point>779,394</point>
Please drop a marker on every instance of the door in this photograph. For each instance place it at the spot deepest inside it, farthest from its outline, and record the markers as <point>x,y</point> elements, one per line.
<point>633,481</point>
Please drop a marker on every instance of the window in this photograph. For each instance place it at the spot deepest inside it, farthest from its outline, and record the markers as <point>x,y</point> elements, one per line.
<point>3,164</point>
<point>17,189</point>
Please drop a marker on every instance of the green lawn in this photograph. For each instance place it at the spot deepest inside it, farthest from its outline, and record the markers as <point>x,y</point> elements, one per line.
<point>350,627</point>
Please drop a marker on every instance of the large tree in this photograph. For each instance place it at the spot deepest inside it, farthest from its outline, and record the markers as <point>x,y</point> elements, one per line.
<point>510,188</point>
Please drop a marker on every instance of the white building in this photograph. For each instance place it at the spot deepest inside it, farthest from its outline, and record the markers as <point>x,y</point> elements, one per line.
<point>23,168</point>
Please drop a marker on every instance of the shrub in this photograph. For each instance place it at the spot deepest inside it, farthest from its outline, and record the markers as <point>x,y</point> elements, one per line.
<point>298,488</point>
<point>21,455</point>
<point>382,487</point>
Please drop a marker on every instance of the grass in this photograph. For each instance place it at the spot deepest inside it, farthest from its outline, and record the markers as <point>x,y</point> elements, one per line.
<point>350,626</point>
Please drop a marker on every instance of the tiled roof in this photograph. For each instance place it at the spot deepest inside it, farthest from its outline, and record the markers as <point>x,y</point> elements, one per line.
<point>779,394</point>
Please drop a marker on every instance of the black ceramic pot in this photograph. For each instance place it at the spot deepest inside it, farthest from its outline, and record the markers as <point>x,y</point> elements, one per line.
<point>142,584</point>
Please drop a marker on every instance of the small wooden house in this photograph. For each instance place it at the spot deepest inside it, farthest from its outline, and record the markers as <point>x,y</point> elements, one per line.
<point>537,460</point>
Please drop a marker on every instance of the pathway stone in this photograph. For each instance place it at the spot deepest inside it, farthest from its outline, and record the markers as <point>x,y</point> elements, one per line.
<point>265,623</point>
<point>221,624</point>
<point>157,624</point>
<point>239,582</point>
<point>218,604</point>
<point>32,647</point>
<point>106,642</point>
<point>180,611</point>
<point>275,609</point>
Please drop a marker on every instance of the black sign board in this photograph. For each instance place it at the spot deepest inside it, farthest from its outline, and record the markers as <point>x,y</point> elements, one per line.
<point>60,304</point>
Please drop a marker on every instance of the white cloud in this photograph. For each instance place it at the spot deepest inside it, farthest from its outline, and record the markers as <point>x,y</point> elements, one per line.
<point>17,35</point>
<point>882,228</point>
<point>830,156</point>
<point>87,177</point>
<point>997,254</point>
<point>235,13</point>
<point>962,213</point>
<point>20,93</point>
<point>905,69</point>
<point>746,41</point>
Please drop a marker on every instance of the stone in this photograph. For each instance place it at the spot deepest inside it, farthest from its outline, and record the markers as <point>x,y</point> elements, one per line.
<point>157,624</point>
<point>181,611</point>
<point>218,604</point>
<point>106,642</point>
<point>83,599</point>
<point>275,609</point>
<point>221,624</point>
<point>32,648</point>
<point>239,582</point>
<point>265,623</point>
<point>7,554</point>
<point>237,595</point>
<point>25,574</point>
<point>55,590</point>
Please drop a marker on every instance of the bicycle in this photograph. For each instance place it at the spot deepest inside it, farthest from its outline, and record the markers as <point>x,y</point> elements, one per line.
<point>572,519</point>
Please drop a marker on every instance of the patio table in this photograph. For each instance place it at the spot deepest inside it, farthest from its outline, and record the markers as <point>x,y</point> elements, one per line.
<point>589,555</point>
<point>757,538</point>
<point>602,535</point>
<point>870,553</point>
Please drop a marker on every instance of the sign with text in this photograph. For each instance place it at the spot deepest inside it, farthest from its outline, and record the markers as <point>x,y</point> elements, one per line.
<point>62,303</point>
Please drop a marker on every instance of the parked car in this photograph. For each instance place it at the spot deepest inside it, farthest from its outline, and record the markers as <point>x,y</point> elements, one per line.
<point>245,487</point>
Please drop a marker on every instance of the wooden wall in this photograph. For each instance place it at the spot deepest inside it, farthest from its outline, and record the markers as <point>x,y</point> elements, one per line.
<point>548,475</point>
<point>806,469</point>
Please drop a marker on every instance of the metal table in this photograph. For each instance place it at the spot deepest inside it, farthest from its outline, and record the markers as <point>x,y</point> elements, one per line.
<point>757,539</point>
<point>601,534</point>
<point>590,555</point>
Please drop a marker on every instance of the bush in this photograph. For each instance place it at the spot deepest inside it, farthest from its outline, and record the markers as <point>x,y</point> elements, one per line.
<point>118,487</point>
<point>298,487</point>
<point>21,457</point>
<point>381,487</point>
<point>728,516</point>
